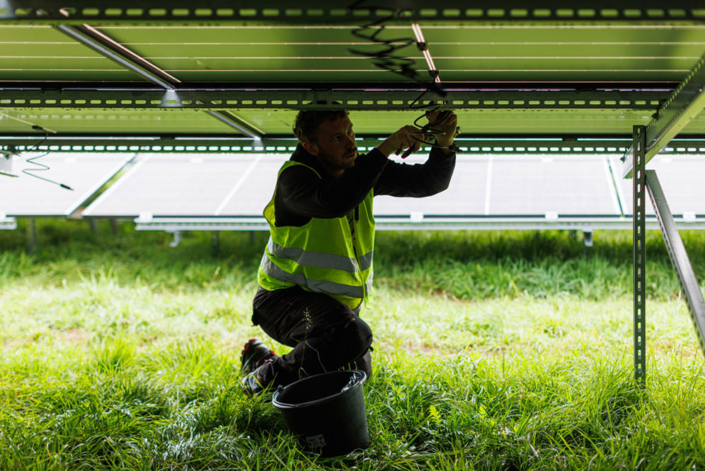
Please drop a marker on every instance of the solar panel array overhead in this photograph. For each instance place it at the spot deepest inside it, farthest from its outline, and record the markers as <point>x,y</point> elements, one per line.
<point>130,77</point>
<point>513,70</point>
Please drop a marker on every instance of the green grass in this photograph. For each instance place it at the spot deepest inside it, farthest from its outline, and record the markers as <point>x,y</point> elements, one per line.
<point>505,351</point>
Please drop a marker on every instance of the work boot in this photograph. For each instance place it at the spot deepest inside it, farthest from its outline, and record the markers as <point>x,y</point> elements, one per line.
<point>253,386</point>
<point>254,355</point>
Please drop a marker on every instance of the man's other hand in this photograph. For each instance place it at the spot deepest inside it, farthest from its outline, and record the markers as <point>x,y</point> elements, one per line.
<point>408,137</point>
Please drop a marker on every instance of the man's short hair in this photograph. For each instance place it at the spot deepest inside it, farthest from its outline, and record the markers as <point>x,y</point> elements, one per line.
<point>307,122</point>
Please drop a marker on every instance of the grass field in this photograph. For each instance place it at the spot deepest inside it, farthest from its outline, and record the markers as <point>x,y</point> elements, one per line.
<point>507,351</point>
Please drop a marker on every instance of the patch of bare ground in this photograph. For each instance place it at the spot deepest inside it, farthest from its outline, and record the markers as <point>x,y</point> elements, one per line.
<point>427,350</point>
<point>74,336</point>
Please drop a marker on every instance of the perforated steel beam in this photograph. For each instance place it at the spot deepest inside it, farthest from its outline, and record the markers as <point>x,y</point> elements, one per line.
<point>281,143</point>
<point>684,104</point>
<point>323,12</point>
<point>679,256</point>
<point>379,97</point>
<point>639,234</point>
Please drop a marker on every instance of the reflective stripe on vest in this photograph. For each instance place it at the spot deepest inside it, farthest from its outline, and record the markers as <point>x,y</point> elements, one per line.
<point>313,259</point>
<point>320,260</point>
<point>366,261</point>
<point>318,286</point>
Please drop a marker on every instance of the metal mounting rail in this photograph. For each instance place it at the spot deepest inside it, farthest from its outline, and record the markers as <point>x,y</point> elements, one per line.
<point>520,145</point>
<point>405,222</point>
<point>679,256</point>
<point>325,12</point>
<point>379,98</point>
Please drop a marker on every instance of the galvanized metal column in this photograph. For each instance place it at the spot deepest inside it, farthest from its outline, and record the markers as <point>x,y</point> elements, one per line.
<point>32,241</point>
<point>639,226</point>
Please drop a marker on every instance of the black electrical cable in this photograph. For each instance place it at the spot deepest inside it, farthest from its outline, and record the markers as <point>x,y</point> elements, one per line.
<point>386,59</point>
<point>43,167</point>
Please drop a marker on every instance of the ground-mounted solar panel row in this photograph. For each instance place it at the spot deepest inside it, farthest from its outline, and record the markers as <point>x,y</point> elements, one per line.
<point>36,190</point>
<point>484,188</point>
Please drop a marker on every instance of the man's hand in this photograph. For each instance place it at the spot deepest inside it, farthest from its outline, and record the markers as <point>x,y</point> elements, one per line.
<point>445,131</point>
<point>408,137</point>
<point>411,137</point>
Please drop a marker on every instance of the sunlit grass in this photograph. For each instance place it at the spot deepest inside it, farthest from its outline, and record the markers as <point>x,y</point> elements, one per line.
<point>492,351</point>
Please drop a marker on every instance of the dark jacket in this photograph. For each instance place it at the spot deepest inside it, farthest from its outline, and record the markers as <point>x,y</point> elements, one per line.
<point>301,195</point>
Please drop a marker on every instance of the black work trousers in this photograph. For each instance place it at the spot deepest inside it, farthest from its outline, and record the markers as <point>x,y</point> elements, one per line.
<point>325,334</point>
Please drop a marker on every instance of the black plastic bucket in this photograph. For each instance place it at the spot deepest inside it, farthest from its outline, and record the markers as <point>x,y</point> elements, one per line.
<point>326,411</point>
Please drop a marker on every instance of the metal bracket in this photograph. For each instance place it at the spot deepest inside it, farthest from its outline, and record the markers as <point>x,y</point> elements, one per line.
<point>686,102</point>
<point>679,256</point>
<point>177,238</point>
<point>587,237</point>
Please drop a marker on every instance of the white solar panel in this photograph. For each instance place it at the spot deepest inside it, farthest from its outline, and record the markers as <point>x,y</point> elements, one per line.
<point>175,185</point>
<point>482,186</point>
<point>85,173</point>
<point>551,185</point>
<point>257,190</point>
<point>464,196</point>
<point>681,178</point>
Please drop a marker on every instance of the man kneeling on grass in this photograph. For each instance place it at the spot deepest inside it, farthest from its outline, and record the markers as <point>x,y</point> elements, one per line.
<point>317,267</point>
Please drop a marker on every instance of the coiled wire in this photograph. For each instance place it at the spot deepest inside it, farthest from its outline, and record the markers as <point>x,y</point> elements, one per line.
<point>387,59</point>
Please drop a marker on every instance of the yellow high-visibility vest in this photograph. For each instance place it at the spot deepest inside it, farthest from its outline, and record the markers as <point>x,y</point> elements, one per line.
<point>324,255</point>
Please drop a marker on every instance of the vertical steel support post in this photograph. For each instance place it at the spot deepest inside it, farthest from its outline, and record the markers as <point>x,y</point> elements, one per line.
<point>639,225</point>
<point>114,226</point>
<point>215,243</point>
<point>32,241</point>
